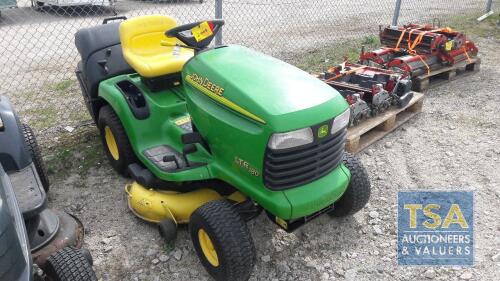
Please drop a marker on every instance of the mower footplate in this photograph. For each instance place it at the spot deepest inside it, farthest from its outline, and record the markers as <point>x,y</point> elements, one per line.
<point>29,192</point>
<point>165,157</point>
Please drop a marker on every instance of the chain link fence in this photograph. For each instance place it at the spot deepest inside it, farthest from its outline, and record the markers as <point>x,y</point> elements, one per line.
<point>38,56</point>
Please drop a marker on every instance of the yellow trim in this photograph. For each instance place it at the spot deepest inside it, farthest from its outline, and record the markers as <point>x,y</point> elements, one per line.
<point>237,197</point>
<point>281,222</point>
<point>224,101</point>
<point>183,120</point>
<point>207,247</point>
<point>156,205</point>
<point>111,143</point>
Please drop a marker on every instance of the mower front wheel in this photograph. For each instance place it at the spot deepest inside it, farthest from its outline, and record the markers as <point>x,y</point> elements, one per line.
<point>358,192</point>
<point>222,241</point>
<point>69,264</point>
<point>115,140</point>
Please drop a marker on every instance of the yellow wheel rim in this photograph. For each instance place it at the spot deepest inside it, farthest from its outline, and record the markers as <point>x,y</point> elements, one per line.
<point>111,143</point>
<point>208,248</point>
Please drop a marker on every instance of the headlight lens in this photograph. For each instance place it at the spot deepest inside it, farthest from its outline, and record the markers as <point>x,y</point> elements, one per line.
<point>1,123</point>
<point>341,121</point>
<point>291,139</point>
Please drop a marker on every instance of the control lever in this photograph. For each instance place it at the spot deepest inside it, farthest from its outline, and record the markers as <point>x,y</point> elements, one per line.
<point>171,158</point>
<point>188,149</point>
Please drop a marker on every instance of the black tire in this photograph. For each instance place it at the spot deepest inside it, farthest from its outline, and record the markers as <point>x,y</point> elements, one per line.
<point>126,156</point>
<point>168,230</point>
<point>358,192</point>
<point>36,156</point>
<point>69,264</point>
<point>231,239</point>
<point>87,255</point>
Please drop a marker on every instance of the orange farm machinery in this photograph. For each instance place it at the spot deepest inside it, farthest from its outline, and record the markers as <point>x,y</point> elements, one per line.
<point>368,90</point>
<point>419,49</point>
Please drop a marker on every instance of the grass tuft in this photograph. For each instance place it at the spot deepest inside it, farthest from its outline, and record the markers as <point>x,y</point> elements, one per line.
<point>319,60</point>
<point>75,152</point>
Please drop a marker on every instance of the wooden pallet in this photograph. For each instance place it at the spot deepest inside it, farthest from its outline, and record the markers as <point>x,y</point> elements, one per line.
<point>446,74</point>
<point>371,130</point>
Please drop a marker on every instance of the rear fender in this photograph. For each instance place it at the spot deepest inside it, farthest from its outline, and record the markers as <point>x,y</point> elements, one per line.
<point>114,98</point>
<point>93,104</point>
<point>14,154</point>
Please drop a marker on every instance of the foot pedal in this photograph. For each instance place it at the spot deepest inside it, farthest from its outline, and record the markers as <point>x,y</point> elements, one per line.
<point>29,191</point>
<point>141,175</point>
<point>159,153</point>
<point>145,178</point>
<point>192,137</point>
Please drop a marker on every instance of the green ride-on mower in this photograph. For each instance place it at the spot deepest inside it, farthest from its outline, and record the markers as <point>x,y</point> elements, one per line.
<point>214,135</point>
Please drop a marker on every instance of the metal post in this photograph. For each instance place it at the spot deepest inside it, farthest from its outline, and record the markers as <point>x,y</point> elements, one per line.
<point>488,5</point>
<point>218,15</point>
<point>396,12</point>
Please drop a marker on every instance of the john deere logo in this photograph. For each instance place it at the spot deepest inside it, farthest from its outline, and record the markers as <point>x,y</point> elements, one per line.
<point>323,131</point>
<point>206,84</point>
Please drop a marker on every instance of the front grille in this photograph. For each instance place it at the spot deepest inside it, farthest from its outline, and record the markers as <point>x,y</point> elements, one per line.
<point>286,168</point>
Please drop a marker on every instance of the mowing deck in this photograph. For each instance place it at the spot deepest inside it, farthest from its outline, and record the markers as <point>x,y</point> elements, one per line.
<point>371,130</point>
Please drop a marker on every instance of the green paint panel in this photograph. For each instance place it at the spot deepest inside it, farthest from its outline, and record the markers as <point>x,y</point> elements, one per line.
<point>319,194</point>
<point>286,97</point>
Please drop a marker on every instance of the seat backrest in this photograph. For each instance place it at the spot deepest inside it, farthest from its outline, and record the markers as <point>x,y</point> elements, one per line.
<point>93,39</point>
<point>96,44</point>
<point>142,35</point>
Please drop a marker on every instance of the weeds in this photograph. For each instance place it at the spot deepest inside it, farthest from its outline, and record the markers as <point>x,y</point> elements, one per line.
<point>319,60</point>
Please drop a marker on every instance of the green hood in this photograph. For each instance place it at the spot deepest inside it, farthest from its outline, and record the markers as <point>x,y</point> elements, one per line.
<point>276,93</point>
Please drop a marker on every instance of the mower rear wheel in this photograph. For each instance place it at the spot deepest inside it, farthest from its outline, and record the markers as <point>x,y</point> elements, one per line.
<point>36,156</point>
<point>69,264</point>
<point>115,140</point>
<point>222,241</point>
<point>358,192</point>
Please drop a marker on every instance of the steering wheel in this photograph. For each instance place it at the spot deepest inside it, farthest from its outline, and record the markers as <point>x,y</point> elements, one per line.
<point>197,35</point>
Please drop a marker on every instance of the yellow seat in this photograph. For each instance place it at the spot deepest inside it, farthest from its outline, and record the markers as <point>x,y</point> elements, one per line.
<point>141,39</point>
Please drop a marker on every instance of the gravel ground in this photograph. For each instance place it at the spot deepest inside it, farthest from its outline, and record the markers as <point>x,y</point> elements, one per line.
<point>452,145</point>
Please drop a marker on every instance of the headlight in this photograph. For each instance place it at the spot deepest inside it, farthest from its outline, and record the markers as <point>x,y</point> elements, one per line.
<point>1,123</point>
<point>291,139</point>
<point>341,121</point>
